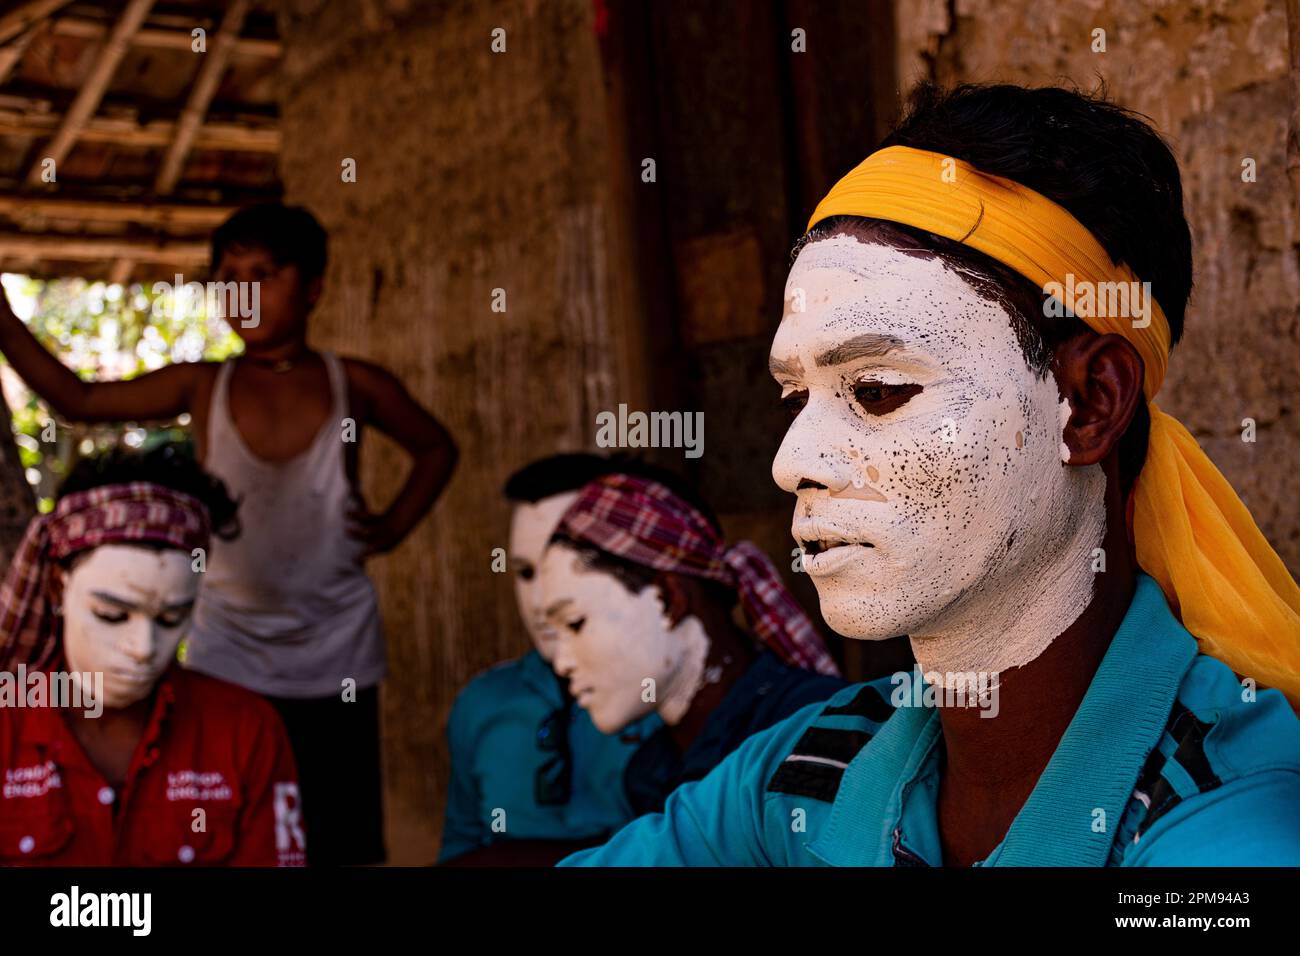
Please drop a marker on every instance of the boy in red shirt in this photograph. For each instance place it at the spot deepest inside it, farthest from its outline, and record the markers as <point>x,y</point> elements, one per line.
<point>110,754</point>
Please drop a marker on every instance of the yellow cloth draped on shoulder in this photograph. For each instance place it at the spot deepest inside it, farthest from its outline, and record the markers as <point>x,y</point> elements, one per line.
<point>1193,534</point>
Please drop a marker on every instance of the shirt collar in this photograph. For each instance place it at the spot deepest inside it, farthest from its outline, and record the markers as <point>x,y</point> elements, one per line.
<point>49,728</point>
<point>539,676</point>
<point>1094,768</point>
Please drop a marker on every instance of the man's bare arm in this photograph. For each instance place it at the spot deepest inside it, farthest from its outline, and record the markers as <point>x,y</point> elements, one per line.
<point>163,394</point>
<point>389,407</point>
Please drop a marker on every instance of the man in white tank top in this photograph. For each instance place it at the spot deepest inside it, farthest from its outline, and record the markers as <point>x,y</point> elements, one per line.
<point>287,610</point>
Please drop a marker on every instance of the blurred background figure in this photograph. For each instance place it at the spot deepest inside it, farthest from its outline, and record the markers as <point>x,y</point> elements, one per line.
<point>640,588</point>
<point>164,766</point>
<point>531,778</point>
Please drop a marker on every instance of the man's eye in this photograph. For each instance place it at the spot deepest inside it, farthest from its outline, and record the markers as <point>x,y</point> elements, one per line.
<point>111,617</point>
<point>525,573</point>
<point>172,620</point>
<point>576,626</point>
<point>879,398</point>
<point>794,402</point>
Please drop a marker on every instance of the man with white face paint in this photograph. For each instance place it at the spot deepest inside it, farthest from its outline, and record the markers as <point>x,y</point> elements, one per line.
<point>531,777</point>
<point>1000,486</point>
<point>171,766</point>
<point>640,588</point>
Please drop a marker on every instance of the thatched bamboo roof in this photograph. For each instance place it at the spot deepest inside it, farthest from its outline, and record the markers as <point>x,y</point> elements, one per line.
<point>151,142</point>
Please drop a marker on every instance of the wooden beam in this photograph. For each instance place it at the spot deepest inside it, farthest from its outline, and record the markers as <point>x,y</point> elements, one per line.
<point>25,15</point>
<point>201,93</point>
<point>11,55</point>
<point>92,91</point>
<point>162,39</point>
<point>98,210</point>
<point>121,271</point>
<point>102,248</point>
<point>156,134</point>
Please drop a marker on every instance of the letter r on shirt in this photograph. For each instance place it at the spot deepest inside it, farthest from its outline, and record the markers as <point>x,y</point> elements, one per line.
<point>288,818</point>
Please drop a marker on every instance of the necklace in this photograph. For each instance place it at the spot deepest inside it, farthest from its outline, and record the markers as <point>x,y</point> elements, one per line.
<point>278,366</point>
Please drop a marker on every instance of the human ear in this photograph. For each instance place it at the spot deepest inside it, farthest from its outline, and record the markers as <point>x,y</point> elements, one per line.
<point>673,595</point>
<point>1101,377</point>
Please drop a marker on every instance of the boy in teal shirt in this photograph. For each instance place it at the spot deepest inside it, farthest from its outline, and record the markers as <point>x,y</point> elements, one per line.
<point>531,777</point>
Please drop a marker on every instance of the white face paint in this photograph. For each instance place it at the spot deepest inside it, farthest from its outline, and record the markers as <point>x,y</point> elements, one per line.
<point>948,513</point>
<point>125,608</point>
<point>531,526</point>
<point>610,641</point>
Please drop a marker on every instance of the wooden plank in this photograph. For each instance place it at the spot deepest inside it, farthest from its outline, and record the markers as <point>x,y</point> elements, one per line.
<point>13,53</point>
<point>161,39</point>
<point>92,91</point>
<point>201,93</point>
<point>156,134</point>
<point>96,210</point>
<point>25,15</point>
<point>102,248</point>
<point>121,271</point>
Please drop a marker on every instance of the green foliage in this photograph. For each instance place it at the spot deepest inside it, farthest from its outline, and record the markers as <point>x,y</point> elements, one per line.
<point>103,332</point>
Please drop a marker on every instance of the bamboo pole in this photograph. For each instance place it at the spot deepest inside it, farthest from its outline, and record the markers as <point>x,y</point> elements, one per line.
<point>17,206</point>
<point>26,15</point>
<point>92,91</point>
<point>201,93</point>
<point>101,248</point>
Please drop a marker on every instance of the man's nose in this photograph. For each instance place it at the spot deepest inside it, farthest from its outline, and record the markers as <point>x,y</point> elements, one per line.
<point>562,662</point>
<point>810,456</point>
<point>141,639</point>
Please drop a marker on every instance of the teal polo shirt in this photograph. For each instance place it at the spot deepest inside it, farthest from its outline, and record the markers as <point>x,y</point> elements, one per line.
<point>493,735</point>
<point>1164,764</point>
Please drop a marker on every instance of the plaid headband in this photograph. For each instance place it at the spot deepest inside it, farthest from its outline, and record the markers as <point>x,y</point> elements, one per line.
<point>643,522</point>
<point>110,514</point>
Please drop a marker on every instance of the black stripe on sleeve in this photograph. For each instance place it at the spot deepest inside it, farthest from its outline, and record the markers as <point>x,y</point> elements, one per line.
<point>866,703</point>
<point>817,763</point>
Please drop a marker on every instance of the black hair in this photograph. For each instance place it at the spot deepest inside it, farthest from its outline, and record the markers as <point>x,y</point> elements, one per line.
<point>168,464</point>
<point>290,234</point>
<point>569,471</point>
<point>1104,164</point>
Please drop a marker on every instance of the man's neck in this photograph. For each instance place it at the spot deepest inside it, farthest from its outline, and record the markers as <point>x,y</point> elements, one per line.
<point>729,657</point>
<point>993,763</point>
<point>291,351</point>
<point>110,739</point>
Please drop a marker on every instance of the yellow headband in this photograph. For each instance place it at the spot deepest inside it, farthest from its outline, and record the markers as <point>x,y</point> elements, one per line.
<point>1192,533</point>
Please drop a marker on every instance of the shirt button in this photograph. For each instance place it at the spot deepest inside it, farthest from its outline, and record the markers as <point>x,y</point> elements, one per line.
<point>185,854</point>
<point>106,795</point>
<point>26,845</point>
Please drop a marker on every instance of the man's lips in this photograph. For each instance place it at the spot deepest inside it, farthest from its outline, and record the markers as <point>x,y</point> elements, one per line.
<point>826,548</point>
<point>137,676</point>
<point>815,537</point>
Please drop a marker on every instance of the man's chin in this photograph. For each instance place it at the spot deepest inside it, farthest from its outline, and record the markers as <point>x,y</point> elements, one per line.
<point>877,619</point>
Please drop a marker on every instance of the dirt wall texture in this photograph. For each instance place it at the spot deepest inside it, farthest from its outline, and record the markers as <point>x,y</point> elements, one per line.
<point>475,171</point>
<point>1214,77</point>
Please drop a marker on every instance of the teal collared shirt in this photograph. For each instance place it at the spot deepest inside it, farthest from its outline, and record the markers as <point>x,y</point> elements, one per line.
<point>1168,761</point>
<point>493,736</point>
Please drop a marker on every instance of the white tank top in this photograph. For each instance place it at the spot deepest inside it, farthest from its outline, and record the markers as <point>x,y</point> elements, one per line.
<point>284,609</point>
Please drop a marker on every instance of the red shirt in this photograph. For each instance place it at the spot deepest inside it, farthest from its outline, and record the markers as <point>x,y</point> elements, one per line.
<point>208,746</point>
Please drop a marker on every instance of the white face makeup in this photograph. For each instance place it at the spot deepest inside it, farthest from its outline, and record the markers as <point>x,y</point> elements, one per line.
<point>125,609</point>
<point>531,526</point>
<point>932,499</point>
<point>611,640</point>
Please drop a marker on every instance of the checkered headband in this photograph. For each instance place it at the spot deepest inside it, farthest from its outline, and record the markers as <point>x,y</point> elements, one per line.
<point>135,512</point>
<point>643,522</point>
